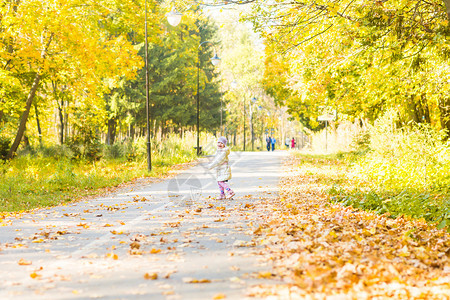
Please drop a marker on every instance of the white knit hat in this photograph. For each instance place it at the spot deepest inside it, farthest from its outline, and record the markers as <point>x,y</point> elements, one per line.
<point>222,140</point>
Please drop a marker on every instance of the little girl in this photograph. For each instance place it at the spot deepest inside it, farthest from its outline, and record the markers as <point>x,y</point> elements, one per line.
<point>223,171</point>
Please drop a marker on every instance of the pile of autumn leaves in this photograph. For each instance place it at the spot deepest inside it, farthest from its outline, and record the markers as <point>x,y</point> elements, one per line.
<point>323,249</point>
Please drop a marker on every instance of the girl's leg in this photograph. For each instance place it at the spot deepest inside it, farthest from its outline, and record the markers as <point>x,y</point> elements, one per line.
<point>222,189</point>
<point>226,188</point>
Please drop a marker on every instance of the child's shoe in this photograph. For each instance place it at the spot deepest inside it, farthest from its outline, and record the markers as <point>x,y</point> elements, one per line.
<point>230,195</point>
<point>221,197</point>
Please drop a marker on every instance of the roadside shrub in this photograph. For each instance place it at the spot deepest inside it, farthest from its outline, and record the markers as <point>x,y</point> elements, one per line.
<point>56,151</point>
<point>415,159</point>
<point>87,147</point>
<point>5,145</point>
<point>113,151</point>
<point>406,171</point>
<point>361,142</point>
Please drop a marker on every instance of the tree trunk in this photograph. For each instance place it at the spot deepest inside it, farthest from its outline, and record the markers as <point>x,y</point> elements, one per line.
<point>444,108</point>
<point>60,111</point>
<point>447,7</point>
<point>66,120</point>
<point>24,118</point>
<point>111,136</point>
<point>38,125</point>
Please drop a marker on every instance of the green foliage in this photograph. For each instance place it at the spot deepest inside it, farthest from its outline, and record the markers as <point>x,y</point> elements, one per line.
<point>415,159</point>
<point>5,144</point>
<point>433,208</point>
<point>173,81</point>
<point>86,144</point>
<point>361,142</point>
<point>359,57</point>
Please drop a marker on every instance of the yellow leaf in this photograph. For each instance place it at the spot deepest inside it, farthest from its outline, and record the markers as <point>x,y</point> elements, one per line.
<point>112,255</point>
<point>219,296</point>
<point>264,275</point>
<point>23,262</point>
<point>155,251</point>
<point>404,251</point>
<point>152,276</point>
<point>116,232</point>
<point>192,280</point>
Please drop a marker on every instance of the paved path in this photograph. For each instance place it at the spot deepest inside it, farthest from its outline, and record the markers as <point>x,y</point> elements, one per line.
<point>168,240</point>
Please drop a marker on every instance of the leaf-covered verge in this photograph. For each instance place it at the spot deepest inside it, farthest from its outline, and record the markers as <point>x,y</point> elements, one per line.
<point>322,248</point>
<point>341,178</point>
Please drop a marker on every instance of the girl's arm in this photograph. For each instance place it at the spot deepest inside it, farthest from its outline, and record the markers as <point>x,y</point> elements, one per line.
<point>220,157</point>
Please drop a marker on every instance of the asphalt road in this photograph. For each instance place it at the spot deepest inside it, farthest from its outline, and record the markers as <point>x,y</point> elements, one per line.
<point>167,240</point>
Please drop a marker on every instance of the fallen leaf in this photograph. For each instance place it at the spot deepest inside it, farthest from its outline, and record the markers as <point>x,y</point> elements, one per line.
<point>112,255</point>
<point>135,245</point>
<point>192,280</point>
<point>264,275</point>
<point>155,251</point>
<point>152,276</point>
<point>23,262</point>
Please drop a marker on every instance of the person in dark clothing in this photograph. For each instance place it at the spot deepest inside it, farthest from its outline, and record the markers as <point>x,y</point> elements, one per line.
<point>268,143</point>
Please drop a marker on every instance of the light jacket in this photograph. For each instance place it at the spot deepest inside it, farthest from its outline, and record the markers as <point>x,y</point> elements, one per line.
<point>221,165</point>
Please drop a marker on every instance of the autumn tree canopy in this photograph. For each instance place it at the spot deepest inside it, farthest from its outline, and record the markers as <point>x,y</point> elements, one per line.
<point>357,57</point>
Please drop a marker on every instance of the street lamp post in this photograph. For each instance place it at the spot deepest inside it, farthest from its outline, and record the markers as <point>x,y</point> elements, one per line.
<point>244,123</point>
<point>251,122</point>
<point>221,117</point>
<point>215,61</point>
<point>147,100</point>
<point>174,19</point>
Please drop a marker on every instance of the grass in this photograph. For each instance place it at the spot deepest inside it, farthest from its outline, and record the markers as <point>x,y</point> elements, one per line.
<point>34,180</point>
<point>338,174</point>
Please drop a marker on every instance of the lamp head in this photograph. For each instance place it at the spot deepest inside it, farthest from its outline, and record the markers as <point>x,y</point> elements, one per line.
<point>215,60</point>
<point>174,17</point>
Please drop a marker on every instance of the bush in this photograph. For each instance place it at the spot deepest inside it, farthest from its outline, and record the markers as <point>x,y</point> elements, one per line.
<point>5,145</point>
<point>405,172</point>
<point>87,147</point>
<point>113,151</point>
<point>56,151</point>
<point>415,159</point>
<point>361,142</point>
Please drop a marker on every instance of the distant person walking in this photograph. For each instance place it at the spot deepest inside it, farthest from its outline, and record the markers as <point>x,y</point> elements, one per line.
<point>268,143</point>
<point>287,142</point>
<point>273,141</point>
<point>293,143</point>
<point>223,170</point>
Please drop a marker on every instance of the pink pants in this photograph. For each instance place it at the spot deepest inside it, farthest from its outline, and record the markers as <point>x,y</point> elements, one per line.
<point>223,186</point>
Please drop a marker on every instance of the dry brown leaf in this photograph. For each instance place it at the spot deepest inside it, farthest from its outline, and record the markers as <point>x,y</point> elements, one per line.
<point>23,262</point>
<point>192,280</point>
<point>151,276</point>
<point>155,251</point>
<point>112,256</point>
